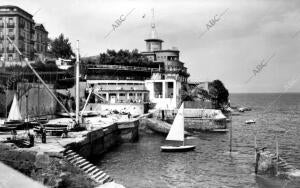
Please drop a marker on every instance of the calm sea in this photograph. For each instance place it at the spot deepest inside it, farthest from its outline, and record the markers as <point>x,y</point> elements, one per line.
<point>142,164</point>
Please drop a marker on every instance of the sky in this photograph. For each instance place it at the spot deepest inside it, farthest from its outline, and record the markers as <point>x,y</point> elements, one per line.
<point>253,47</point>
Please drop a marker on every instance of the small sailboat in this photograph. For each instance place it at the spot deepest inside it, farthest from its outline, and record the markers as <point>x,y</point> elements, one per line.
<point>14,120</point>
<point>177,134</point>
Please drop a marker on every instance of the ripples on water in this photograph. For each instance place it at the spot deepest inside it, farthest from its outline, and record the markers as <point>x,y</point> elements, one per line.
<point>210,165</point>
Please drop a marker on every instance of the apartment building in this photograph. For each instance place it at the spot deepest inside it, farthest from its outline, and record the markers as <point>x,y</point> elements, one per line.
<point>40,40</point>
<point>20,27</point>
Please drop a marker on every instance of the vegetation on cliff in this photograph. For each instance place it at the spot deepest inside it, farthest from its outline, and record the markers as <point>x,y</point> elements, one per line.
<point>217,93</point>
<point>121,57</point>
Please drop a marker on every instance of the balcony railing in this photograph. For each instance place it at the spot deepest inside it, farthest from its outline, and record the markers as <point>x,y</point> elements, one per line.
<point>122,67</point>
<point>10,25</point>
<point>21,37</point>
<point>22,25</point>
<point>10,50</point>
<point>12,37</point>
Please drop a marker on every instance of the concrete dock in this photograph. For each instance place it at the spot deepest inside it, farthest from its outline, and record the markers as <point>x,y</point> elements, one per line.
<point>50,163</point>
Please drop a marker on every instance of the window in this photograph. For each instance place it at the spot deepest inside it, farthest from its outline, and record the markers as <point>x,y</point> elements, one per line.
<point>157,89</point>
<point>10,57</point>
<point>169,89</point>
<point>10,46</point>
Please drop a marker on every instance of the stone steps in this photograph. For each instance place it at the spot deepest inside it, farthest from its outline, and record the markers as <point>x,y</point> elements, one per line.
<point>88,168</point>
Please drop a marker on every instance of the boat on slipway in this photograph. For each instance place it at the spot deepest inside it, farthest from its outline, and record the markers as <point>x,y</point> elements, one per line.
<point>14,120</point>
<point>177,134</point>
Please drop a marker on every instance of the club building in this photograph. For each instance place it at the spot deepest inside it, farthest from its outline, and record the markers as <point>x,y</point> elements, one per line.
<point>159,82</point>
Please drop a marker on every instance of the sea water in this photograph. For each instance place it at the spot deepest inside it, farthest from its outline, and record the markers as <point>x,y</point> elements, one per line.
<point>142,164</point>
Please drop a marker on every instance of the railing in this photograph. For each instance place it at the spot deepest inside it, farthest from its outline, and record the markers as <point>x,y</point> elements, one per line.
<point>11,36</point>
<point>122,67</point>
<point>10,50</point>
<point>21,37</point>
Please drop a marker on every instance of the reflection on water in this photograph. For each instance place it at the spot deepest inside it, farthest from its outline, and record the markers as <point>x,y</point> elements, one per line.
<point>211,165</point>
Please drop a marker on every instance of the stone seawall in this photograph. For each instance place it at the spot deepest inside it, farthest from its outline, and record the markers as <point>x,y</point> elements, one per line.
<point>200,124</point>
<point>100,141</point>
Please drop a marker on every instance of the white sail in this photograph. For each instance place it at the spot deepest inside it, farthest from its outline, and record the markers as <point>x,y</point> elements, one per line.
<point>177,129</point>
<point>14,113</point>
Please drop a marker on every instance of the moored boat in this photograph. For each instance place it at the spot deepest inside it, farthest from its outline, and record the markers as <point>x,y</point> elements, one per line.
<point>177,148</point>
<point>250,121</point>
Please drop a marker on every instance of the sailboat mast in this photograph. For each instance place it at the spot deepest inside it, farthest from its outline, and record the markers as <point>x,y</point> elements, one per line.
<point>77,85</point>
<point>183,121</point>
<point>38,76</point>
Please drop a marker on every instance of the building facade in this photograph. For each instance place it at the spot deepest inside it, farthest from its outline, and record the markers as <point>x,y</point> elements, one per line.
<point>40,40</point>
<point>19,26</point>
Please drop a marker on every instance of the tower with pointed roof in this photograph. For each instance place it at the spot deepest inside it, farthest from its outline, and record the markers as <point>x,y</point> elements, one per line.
<point>165,85</point>
<point>153,43</point>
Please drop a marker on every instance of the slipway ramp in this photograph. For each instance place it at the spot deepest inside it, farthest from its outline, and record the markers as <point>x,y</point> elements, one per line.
<point>11,178</point>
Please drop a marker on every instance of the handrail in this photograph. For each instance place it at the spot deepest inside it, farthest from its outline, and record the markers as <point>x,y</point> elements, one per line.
<point>122,67</point>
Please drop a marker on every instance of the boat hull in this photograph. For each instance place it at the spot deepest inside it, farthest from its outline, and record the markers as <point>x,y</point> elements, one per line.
<point>177,148</point>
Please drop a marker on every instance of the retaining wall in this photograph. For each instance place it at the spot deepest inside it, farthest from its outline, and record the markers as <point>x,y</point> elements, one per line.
<point>101,140</point>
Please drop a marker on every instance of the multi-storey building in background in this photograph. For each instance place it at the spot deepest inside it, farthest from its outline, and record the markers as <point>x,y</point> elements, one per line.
<point>40,40</point>
<point>20,27</point>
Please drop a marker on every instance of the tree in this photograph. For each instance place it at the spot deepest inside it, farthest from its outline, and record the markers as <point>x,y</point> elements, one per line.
<point>122,57</point>
<point>219,93</point>
<point>61,47</point>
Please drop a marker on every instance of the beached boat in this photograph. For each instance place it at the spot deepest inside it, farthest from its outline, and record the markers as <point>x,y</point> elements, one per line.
<point>14,120</point>
<point>160,126</point>
<point>177,134</point>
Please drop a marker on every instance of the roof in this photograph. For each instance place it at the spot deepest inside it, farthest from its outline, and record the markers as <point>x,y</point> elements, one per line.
<point>18,8</point>
<point>155,40</point>
<point>40,27</point>
<point>167,50</point>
